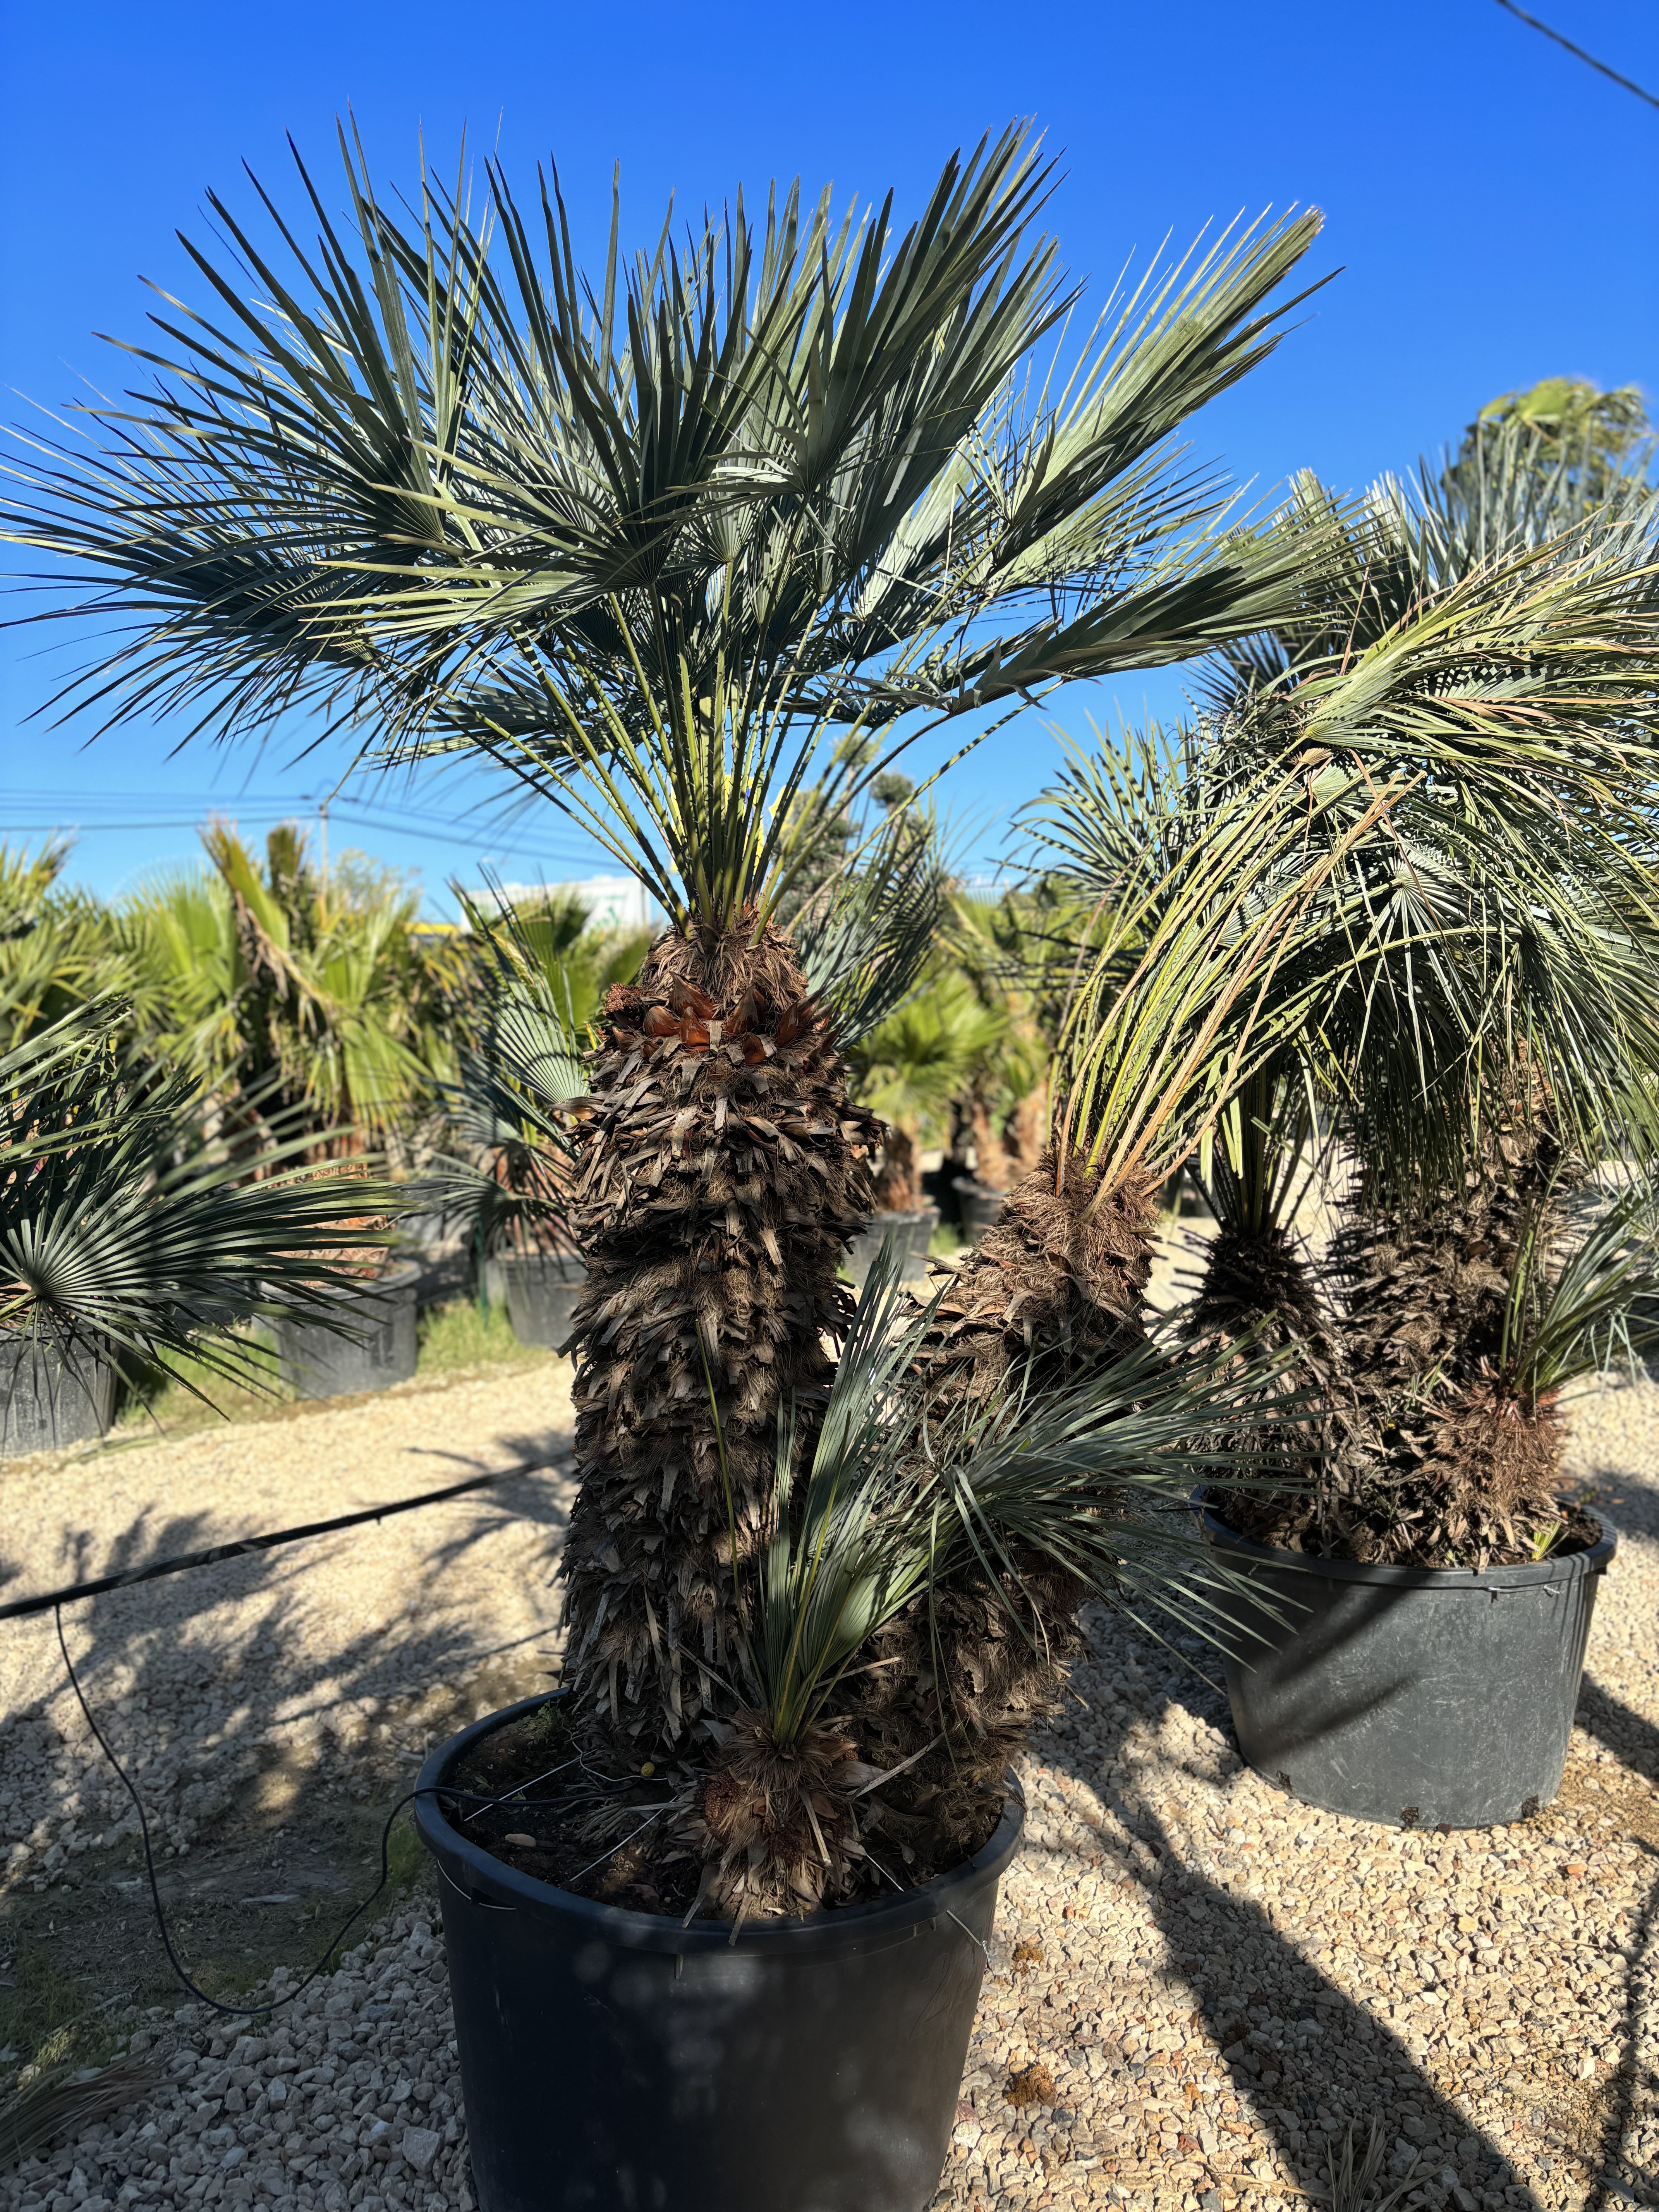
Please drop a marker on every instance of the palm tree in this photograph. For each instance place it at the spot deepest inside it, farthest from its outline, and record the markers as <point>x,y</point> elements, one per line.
<point>654,545</point>
<point>319,996</point>
<point>57,950</point>
<point>911,1069</point>
<point>126,1237</point>
<point>1505,919</point>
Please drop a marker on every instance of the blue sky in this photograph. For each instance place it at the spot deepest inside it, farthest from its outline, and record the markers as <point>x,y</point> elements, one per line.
<point>1491,202</point>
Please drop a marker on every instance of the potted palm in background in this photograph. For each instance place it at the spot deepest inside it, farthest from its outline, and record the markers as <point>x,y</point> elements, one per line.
<point>1498,1061</point>
<point>652,547</point>
<point>133,1246</point>
<point>311,1001</point>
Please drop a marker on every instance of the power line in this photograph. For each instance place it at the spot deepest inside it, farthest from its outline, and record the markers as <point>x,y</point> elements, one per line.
<point>1629,83</point>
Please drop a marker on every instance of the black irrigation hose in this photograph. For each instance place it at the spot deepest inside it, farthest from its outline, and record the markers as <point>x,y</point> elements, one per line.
<point>235,2012</point>
<point>21,1608</point>
<point>56,1601</point>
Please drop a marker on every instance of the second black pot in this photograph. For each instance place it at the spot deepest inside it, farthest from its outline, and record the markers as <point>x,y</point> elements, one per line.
<point>912,1233</point>
<point>1420,1697</point>
<point>541,1291</point>
<point>618,2062</point>
<point>51,1396</point>
<point>380,1351</point>
<point>980,1204</point>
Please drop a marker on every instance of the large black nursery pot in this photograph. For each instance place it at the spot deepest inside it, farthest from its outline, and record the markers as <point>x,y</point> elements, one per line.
<point>1420,1697</point>
<point>980,1204</point>
<point>321,1363</point>
<point>912,1233</point>
<point>541,1291</point>
<point>618,2062</point>
<point>52,1394</point>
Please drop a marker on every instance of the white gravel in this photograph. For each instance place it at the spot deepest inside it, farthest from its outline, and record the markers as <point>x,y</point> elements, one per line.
<point>1213,1980</point>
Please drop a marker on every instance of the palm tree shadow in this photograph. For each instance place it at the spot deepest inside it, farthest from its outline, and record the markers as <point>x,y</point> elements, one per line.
<point>1633,1741</point>
<point>1304,2058</point>
<point>253,1720</point>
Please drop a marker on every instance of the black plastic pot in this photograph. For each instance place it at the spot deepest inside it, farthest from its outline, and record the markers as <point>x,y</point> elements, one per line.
<point>380,1352</point>
<point>619,2061</point>
<point>979,1204</point>
<point>913,1233</point>
<point>1419,1696</point>
<point>540,1291</point>
<point>51,1397</point>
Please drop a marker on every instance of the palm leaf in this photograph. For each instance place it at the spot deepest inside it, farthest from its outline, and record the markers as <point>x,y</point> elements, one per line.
<point>648,545</point>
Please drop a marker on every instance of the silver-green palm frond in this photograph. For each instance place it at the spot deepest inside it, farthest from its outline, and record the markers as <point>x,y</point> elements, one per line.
<point>1208,901</point>
<point>1093,1482</point>
<point>864,937</point>
<point>647,542</point>
<point>1589,1309</point>
<point>520,1073</point>
<point>1503,909</point>
<point>120,1228</point>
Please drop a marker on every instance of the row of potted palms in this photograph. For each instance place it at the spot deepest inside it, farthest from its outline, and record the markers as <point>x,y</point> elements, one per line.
<point>660,546</point>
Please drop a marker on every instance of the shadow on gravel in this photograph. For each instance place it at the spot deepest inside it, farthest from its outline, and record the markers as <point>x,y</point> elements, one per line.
<point>524,1502</point>
<point>271,1753</point>
<point>1621,2182</point>
<point>1303,2075</point>
<point>1633,1741</point>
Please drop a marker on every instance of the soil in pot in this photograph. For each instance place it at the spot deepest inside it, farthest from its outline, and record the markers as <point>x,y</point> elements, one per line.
<point>321,1363</point>
<point>51,1397</point>
<point>786,2066</point>
<point>551,1814</point>
<point>1418,1696</point>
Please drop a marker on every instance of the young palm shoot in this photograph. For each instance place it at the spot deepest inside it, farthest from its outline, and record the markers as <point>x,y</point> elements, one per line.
<point>909,1512</point>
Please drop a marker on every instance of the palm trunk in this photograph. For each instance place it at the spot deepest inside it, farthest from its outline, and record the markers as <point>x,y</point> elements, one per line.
<point>898,1184</point>
<point>723,1171</point>
<point>1057,1280</point>
<point>1450,1465</point>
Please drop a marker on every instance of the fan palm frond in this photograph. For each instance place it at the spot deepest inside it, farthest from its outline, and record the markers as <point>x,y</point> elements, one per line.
<point>647,545</point>
<point>118,1228</point>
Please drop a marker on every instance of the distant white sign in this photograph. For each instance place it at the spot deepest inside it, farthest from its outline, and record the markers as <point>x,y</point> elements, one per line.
<point>612,902</point>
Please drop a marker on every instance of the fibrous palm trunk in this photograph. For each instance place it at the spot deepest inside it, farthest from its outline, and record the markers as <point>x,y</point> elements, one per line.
<point>898,1183</point>
<point>722,1172</point>
<point>1453,1464</point>
<point>1057,1280</point>
<point>1258,1285</point>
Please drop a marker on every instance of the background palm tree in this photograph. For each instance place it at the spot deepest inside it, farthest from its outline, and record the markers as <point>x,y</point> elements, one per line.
<point>124,1234</point>
<point>321,997</point>
<point>1503,1035</point>
<point>650,546</point>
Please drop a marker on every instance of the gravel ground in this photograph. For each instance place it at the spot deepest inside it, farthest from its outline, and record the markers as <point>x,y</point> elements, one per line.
<point>1196,1984</point>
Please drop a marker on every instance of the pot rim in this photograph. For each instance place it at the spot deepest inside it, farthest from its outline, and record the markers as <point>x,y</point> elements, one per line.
<point>564,1261</point>
<point>911,1214</point>
<point>820,1935</point>
<point>1569,1566</point>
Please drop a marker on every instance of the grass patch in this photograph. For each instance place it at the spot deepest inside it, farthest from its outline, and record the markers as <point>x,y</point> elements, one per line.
<point>451,1340</point>
<point>946,1241</point>
<point>201,1399</point>
<point>44,2017</point>
<point>463,1335</point>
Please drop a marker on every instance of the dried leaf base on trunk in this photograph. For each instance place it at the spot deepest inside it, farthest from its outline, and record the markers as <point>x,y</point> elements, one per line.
<point>723,1172</point>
